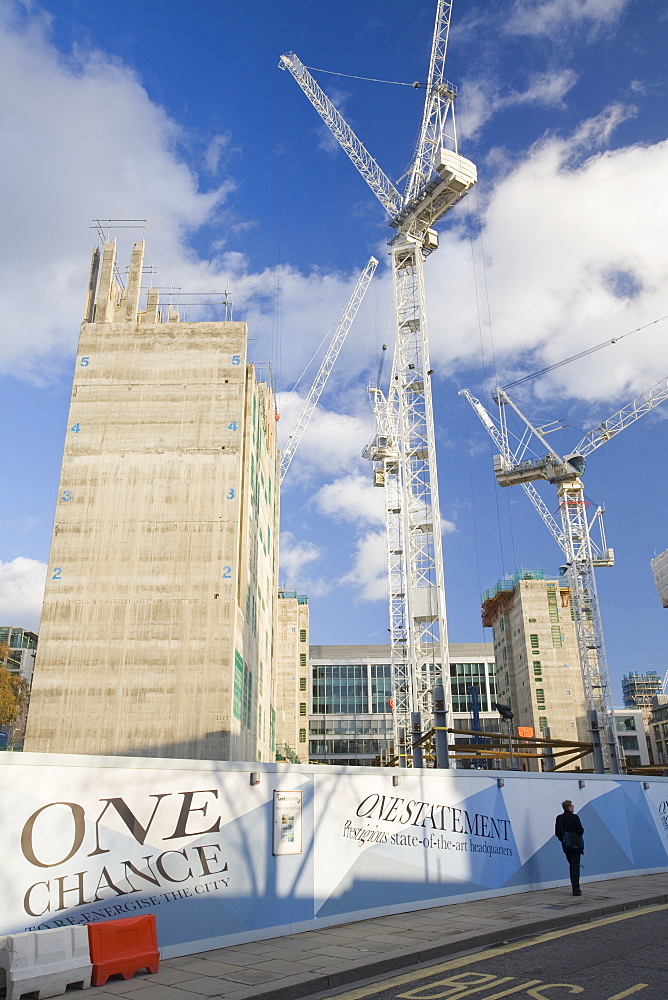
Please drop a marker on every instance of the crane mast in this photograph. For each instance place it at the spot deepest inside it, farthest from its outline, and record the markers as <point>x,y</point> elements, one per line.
<point>582,554</point>
<point>438,178</point>
<point>328,363</point>
<point>440,97</point>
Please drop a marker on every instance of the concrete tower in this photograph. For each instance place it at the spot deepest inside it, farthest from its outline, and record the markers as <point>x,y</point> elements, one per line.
<point>292,677</point>
<point>160,603</point>
<point>535,647</point>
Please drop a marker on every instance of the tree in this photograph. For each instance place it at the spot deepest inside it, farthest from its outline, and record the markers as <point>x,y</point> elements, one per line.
<point>14,691</point>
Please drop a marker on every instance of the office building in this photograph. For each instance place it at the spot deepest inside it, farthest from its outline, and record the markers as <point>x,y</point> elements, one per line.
<point>21,648</point>
<point>537,664</point>
<point>658,729</point>
<point>292,677</point>
<point>350,717</point>
<point>631,737</point>
<point>160,603</point>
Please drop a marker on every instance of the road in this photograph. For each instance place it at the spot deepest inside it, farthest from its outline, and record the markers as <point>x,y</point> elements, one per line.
<point>612,958</point>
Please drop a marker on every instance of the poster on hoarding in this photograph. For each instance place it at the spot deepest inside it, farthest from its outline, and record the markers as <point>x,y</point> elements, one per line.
<point>287,822</point>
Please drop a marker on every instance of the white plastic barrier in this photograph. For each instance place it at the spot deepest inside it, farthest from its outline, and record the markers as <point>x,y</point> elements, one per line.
<point>45,963</point>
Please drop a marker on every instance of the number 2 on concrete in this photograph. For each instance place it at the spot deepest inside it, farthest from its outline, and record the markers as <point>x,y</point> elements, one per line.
<point>227,572</point>
<point>57,573</point>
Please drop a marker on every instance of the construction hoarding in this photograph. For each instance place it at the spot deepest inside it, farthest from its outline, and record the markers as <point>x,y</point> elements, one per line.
<point>84,839</point>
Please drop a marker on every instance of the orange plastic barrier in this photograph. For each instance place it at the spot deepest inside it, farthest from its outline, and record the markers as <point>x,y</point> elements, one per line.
<point>123,947</point>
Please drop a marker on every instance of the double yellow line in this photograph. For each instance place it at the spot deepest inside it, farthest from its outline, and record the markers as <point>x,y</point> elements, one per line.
<point>481,956</point>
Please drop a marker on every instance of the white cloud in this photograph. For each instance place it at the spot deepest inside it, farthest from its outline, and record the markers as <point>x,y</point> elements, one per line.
<point>21,592</point>
<point>295,555</point>
<point>332,442</point>
<point>368,575</point>
<point>485,97</point>
<point>82,139</point>
<point>552,17</point>
<point>447,527</point>
<point>352,498</point>
<point>574,243</point>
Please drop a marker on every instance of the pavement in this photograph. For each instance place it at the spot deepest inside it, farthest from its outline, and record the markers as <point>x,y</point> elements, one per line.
<point>299,965</point>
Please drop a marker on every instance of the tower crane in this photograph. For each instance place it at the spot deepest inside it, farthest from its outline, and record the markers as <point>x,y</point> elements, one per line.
<point>574,534</point>
<point>336,343</point>
<point>437,178</point>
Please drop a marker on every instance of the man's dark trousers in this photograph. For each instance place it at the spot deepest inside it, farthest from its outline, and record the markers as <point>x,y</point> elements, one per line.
<point>573,858</point>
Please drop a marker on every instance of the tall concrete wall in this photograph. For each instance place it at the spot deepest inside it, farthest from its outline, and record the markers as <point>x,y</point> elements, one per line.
<point>147,626</point>
<point>292,678</point>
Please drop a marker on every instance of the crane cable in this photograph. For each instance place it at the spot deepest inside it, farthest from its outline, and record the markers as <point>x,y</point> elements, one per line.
<point>582,354</point>
<point>416,85</point>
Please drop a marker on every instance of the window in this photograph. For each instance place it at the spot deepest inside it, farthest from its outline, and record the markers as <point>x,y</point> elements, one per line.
<point>302,659</point>
<point>247,702</point>
<point>556,636</point>
<point>629,742</point>
<point>302,684</point>
<point>302,708</point>
<point>552,604</point>
<point>533,638</point>
<point>463,678</point>
<point>302,736</point>
<point>341,689</point>
<point>537,669</point>
<point>542,722</point>
<point>381,687</point>
<point>238,684</point>
<point>302,635</point>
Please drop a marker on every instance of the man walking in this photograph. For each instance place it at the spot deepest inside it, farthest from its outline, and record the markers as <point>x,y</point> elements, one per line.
<point>569,830</point>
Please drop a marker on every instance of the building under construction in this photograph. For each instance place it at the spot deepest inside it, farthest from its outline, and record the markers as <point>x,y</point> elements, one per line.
<point>536,653</point>
<point>160,603</point>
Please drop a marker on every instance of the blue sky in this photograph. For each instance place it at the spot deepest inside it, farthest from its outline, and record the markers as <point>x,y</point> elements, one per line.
<point>178,113</point>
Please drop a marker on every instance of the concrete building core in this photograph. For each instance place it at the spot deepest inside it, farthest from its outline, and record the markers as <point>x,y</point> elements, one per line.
<point>292,677</point>
<point>160,604</point>
<point>535,646</point>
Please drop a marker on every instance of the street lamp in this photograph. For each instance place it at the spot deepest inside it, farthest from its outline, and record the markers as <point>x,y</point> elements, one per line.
<point>507,716</point>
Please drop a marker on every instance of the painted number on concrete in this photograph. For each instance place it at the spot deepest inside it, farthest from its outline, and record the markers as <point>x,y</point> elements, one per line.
<point>56,574</point>
<point>227,572</point>
<point>84,362</point>
<point>75,428</point>
<point>66,495</point>
<point>232,426</point>
<point>230,494</point>
<point>236,359</point>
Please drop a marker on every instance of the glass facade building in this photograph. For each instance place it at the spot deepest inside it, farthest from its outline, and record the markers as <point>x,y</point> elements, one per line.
<point>21,647</point>
<point>350,716</point>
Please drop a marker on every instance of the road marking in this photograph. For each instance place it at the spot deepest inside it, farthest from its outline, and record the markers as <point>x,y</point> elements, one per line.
<point>481,956</point>
<point>456,987</point>
<point>627,993</point>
